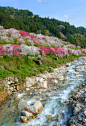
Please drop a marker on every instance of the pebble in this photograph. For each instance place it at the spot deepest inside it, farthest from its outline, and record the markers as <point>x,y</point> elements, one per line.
<point>67,101</point>
<point>26,99</point>
<point>65,82</point>
<point>49,116</point>
<point>34,97</point>
<point>23,119</point>
<point>30,93</point>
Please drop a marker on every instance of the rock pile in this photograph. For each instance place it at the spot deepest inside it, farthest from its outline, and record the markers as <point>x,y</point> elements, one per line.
<point>31,111</point>
<point>42,80</point>
<point>11,83</point>
<point>81,68</point>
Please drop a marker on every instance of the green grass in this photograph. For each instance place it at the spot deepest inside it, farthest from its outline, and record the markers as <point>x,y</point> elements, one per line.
<point>27,67</point>
<point>74,48</point>
<point>0,89</point>
<point>3,86</point>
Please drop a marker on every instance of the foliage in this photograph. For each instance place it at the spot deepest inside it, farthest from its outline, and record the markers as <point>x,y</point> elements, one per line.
<point>27,67</point>
<point>25,20</point>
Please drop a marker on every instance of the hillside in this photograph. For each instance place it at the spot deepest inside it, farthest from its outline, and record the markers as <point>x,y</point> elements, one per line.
<point>27,21</point>
<point>26,54</point>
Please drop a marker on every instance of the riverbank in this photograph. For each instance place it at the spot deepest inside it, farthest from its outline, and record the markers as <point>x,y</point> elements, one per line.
<point>8,89</point>
<point>15,87</point>
<point>4,95</point>
<point>78,99</point>
<point>56,108</point>
<point>78,117</point>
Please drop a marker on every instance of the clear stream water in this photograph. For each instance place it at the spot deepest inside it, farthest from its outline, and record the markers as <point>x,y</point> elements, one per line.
<point>55,111</point>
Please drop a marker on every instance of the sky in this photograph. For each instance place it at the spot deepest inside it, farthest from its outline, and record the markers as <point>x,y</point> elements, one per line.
<point>72,11</point>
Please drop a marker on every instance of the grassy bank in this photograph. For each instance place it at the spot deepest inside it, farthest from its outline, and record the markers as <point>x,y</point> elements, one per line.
<point>28,67</point>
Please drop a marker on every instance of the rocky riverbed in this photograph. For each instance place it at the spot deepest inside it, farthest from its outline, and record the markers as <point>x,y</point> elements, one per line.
<point>53,90</point>
<point>78,117</point>
<point>79,102</point>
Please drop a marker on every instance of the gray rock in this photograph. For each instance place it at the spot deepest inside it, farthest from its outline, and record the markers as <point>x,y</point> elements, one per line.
<point>43,84</point>
<point>11,88</point>
<point>38,62</point>
<point>36,108</point>
<point>27,114</point>
<point>68,64</point>
<point>23,119</point>
<point>8,82</point>
<point>29,82</point>
<point>16,79</point>
<point>7,87</point>
<point>2,67</point>
<point>55,58</point>
<point>78,118</point>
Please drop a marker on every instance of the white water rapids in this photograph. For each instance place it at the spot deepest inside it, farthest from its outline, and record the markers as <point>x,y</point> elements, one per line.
<point>55,111</point>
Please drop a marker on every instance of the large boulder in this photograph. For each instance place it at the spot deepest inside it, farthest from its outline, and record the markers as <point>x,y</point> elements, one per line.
<point>29,82</point>
<point>28,115</point>
<point>36,108</point>
<point>38,80</point>
<point>23,119</point>
<point>43,84</point>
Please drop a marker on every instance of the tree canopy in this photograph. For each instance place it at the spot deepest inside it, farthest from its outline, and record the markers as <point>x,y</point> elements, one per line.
<point>27,21</point>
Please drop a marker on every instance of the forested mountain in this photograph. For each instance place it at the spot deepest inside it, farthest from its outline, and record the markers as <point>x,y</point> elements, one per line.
<point>27,21</point>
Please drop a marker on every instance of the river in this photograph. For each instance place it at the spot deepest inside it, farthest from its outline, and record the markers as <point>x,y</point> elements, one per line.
<point>56,111</point>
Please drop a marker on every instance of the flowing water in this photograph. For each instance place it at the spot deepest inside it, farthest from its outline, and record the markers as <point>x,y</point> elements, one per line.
<point>55,111</point>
